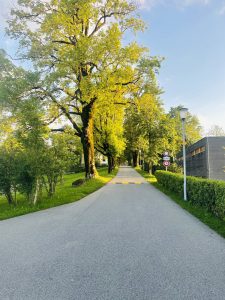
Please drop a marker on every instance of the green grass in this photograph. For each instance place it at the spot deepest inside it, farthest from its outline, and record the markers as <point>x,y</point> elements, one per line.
<point>201,213</point>
<point>65,193</point>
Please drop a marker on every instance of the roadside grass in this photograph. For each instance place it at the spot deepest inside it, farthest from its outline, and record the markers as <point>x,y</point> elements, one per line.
<point>65,193</point>
<point>199,212</point>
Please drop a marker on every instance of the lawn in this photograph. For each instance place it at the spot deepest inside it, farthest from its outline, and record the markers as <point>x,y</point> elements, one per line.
<point>65,193</point>
<point>201,213</point>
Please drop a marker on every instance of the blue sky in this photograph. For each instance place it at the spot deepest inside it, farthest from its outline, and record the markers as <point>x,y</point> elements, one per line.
<point>190,34</point>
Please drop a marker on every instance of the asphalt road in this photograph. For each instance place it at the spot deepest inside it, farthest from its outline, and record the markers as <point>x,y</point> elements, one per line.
<point>124,242</point>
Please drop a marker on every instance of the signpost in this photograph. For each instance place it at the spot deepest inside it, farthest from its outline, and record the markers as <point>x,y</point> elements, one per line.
<point>166,159</point>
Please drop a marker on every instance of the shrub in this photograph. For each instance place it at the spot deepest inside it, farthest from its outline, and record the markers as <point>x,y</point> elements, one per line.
<point>171,181</point>
<point>219,208</point>
<point>7,175</point>
<point>202,192</point>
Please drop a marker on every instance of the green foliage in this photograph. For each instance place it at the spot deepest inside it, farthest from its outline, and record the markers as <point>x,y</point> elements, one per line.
<point>8,173</point>
<point>65,193</point>
<point>192,127</point>
<point>77,46</point>
<point>108,132</point>
<point>62,152</point>
<point>171,181</point>
<point>150,129</point>
<point>147,128</point>
<point>26,176</point>
<point>27,146</point>
<point>219,208</point>
<point>200,192</point>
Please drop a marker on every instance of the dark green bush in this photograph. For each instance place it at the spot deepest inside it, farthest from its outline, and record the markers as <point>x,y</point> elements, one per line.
<point>202,192</point>
<point>219,208</point>
<point>171,181</point>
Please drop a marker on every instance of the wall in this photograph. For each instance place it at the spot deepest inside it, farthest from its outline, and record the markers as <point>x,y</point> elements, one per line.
<point>217,157</point>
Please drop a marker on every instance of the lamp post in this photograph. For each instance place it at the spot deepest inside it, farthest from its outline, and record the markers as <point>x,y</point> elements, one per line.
<point>139,158</point>
<point>143,161</point>
<point>183,115</point>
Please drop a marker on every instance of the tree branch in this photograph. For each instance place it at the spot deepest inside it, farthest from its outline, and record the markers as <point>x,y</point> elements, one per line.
<point>54,119</point>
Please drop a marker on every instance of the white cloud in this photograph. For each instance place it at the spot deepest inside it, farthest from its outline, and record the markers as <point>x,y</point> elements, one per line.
<point>6,6</point>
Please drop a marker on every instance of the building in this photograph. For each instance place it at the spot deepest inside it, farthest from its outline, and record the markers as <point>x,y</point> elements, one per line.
<point>206,158</point>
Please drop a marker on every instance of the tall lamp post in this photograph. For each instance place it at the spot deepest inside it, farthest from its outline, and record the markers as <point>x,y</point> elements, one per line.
<point>139,158</point>
<point>183,115</point>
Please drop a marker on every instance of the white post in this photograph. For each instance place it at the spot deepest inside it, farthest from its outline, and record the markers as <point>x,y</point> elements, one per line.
<point>184,160</point>
<point>143,162</point>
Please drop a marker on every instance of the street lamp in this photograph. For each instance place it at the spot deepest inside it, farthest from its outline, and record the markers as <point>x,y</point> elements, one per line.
<point>183,115</point>
<point>139,158</point>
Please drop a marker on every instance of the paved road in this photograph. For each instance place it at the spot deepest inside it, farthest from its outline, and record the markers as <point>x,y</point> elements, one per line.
<point>124,242</point>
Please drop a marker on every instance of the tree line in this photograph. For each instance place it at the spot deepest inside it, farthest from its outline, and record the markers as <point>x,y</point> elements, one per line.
<point>86,92</point>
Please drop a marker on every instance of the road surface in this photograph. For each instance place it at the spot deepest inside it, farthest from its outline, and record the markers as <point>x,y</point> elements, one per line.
<point>127,241</point>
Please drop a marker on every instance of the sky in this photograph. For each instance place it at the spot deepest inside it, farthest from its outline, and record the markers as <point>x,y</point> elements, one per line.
<point>190,35</point>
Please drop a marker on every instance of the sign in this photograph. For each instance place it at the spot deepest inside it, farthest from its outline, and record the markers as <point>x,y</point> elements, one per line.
<point>166,163</point>
<point>166,158</point>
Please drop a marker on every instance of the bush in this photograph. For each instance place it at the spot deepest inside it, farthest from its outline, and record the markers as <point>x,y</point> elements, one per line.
<point>202,192</point>
<point>171,181</point>
<point>219,208</point>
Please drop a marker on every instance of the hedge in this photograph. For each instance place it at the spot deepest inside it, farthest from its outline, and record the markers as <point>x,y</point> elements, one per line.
<point>202,192</point>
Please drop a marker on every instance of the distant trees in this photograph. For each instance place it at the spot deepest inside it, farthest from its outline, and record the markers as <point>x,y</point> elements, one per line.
<point>216,130</point>
<point>192,125</point>
<point>108,132</point>
<point>150,131</point>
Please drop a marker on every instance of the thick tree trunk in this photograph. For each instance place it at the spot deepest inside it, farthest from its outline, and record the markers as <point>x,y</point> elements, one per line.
<point>87,140</point>
<point>113,163</point>
<point>150,166</point>
<point>135,158</point>
<point>110,163</point>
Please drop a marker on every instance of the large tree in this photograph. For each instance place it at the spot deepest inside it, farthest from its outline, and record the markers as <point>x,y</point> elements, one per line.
<point>144,105</point>
<point>108,125</point>
<point>77,47</point>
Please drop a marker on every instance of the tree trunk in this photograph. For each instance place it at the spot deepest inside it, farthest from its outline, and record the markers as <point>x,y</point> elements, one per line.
<point>87,140</point>
<point>150,168</point>
<point>36,193</point>
<point>110,163</point>
<point>9,197</point>
<point>113,163</point>
<point>129,161</point>
<point>51,188</point>
<point>135,158</point>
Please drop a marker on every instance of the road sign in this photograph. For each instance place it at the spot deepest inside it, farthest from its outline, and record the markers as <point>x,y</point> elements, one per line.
<point>166,163</point>
<point>166,153</point>
<point>166,158</point>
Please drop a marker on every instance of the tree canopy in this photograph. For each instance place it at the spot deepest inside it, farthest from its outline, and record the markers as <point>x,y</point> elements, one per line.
<point>86,92</point>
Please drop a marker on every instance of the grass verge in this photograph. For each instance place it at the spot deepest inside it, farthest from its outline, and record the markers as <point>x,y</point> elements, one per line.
<point>65,193</point>
<point>199,212</point>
